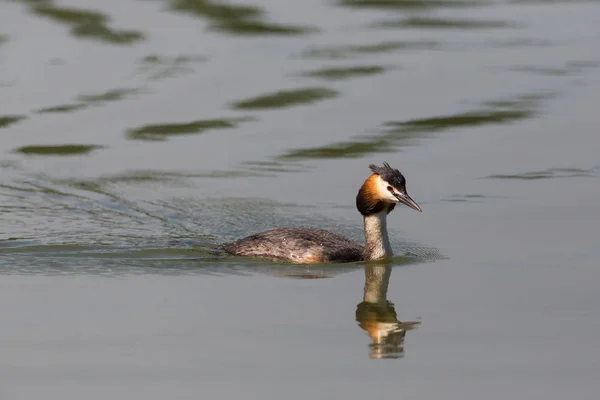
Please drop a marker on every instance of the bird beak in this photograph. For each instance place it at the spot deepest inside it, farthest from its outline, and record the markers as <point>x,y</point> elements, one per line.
<point>405,199</point>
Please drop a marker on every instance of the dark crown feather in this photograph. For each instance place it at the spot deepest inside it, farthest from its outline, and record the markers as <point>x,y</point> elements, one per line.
<point>390,175</point>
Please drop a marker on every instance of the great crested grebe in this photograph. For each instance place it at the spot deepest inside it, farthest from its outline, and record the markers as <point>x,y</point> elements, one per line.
<point>376,198</point>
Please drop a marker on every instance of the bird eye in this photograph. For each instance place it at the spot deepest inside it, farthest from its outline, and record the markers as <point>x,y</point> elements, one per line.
<point>390,189</point>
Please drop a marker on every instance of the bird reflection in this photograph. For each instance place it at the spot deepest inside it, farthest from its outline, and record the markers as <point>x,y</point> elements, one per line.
<point>377,316</point>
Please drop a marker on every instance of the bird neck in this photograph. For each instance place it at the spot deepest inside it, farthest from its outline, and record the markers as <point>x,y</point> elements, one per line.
<point>377,243</point>
<point>377,278</point>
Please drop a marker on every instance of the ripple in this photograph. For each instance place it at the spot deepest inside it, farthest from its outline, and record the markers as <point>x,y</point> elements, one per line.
<point>520,42</point>
<point>62,108</point>
<point>340,73</point>
<point>286,98</point>
<point>90,99</point>
<point>215,10</point>
<point>471,198</point>
<point>272,166</point>
<point>466,119</point>
<point>250,27</point>
<point>349,149</point>
<point>550,173</point>
<point>6,120</point>
<point>110,95</point>
<point>32,188</point>
<point>408,4</point>
<point>60,150</point>
<point>164,131</point>
<point>546,2</point>
<point>398,133</point>
<point>90,229</point>
<point>76,212</point>
<point>236,19</point>
<point>569,68</point>
<point>348,51</point>
<point>191,256</point>
<point>445,23</point>
<point>157,67</point>
<point>529,101</point>
<point>581,65</point>
<point>540,70</point>
<point>173,177</point>
<point>84,23</point>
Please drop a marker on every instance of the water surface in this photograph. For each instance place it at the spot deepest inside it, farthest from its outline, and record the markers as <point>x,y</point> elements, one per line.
<point>139,135</point>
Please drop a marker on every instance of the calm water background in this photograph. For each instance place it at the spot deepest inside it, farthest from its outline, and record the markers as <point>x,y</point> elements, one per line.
<point>137,135</point>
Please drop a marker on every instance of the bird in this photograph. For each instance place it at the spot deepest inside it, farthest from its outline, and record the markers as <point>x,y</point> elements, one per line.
<point>376,198</point>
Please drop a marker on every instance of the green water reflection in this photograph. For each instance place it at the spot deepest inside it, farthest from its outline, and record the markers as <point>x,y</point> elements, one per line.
<point>110,95</point>
<point>550,173</point>
<point>236,19</point>
<point>61,150</point>
<point>569,68</point>
<point>163,131</point>
<point>83,23</point>
<point>398,133</point>
<point>63,108</point>
<point>86,100</point>
<point>521,42</point>
<point>158,67</point>
<point>444,23</point>
<point>348,51</point>
<point>286,98</point>
<point>6,120</point>
<point>408,4</point>
<point>339,73</point>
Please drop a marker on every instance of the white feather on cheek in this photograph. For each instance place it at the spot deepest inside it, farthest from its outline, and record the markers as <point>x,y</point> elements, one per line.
<point>382,190</point>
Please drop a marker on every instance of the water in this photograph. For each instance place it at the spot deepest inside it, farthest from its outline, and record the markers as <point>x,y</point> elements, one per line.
<point>138,135</point>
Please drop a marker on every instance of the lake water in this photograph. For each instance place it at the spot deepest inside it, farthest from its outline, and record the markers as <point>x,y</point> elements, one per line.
<point>138,135</point>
